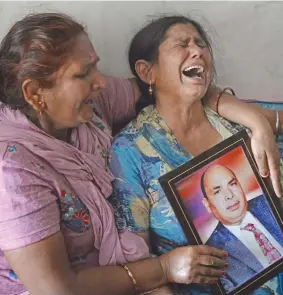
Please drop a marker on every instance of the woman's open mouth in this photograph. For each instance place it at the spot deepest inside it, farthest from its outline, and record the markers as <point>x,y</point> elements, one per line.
<point>88,101</point>
<point>195,72</point>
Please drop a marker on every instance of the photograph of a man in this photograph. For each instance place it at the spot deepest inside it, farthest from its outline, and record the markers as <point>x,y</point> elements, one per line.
<point>247,230</point>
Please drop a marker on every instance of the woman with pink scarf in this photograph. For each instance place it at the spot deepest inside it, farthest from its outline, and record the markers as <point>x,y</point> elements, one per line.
<point>57,229</point>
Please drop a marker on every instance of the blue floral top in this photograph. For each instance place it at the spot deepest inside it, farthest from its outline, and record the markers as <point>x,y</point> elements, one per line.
<point>141,153</point>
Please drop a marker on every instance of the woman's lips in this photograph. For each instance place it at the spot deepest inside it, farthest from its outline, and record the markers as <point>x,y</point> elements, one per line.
<point>234,206</point>
<point>88,101</point>
<point>196,81</point>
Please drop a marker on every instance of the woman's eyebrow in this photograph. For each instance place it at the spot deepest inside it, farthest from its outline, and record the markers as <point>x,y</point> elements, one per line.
<point>181,38</point>
<point>92,63</point>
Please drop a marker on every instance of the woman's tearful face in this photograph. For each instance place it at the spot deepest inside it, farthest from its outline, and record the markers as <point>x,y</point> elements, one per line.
<point>184,67</point>
<point>69,102</point>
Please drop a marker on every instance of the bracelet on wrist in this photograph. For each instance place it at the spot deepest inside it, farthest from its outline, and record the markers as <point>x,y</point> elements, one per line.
<point>137,290</point>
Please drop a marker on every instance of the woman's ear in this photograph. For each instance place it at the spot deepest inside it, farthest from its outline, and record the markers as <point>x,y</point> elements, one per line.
<point>144,70</point>
<point>33,94</point>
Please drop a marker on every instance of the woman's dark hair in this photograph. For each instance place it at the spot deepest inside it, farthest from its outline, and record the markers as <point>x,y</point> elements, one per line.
<point>34,48</point>
<point>145,46</point>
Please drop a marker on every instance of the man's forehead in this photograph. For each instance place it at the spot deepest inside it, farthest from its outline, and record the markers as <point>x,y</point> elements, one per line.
<point>218,174</point>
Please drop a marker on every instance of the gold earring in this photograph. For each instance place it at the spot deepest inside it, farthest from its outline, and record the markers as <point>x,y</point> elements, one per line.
<point>40,104</point>
<point>150,89</point>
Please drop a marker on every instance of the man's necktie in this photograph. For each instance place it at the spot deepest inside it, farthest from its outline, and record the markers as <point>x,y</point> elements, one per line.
<point>266,247</point>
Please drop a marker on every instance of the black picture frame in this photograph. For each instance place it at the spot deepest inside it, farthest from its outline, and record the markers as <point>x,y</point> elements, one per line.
<point>171,180</point>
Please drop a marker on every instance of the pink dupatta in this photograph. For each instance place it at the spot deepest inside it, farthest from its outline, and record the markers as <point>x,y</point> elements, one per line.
<point>84,169</point>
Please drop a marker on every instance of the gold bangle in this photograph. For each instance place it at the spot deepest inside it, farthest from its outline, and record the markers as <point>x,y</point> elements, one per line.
<point>130,274</point>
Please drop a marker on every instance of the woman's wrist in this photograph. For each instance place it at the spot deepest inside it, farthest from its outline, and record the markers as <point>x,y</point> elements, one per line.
<point>163,268</point>
<point>261,126</point>
<point>146,275</point>
<point>163,261</point>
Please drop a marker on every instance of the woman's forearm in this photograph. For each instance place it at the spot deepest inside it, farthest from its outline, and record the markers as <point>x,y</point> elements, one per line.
<point>250,115</point>
<point>270,115</point>
<point>244,114</point>
<point>115,280</point>
<point>233,109</point>
<point>44,269</point>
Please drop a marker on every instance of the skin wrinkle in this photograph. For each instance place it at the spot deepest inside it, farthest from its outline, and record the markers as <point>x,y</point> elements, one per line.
<point>75,109</point>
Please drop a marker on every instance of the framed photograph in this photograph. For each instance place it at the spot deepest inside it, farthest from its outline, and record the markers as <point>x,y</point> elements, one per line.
<point>222,201</point>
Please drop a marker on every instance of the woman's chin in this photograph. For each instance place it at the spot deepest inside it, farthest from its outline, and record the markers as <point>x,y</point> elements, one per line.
<point>195,93</point>
<point>86,119</point>
<point>87,114</point>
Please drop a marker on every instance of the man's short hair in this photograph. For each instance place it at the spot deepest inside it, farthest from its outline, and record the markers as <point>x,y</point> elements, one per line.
<point>202,185</point>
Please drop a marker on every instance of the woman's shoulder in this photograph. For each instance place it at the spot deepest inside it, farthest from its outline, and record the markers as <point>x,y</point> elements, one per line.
<point>127,137</point>
<point>133,130</point>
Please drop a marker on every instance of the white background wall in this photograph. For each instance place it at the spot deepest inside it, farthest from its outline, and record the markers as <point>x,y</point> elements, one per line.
<point>247,36</point>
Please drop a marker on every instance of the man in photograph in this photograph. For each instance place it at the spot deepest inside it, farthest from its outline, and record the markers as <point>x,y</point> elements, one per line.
<point>247,231</point>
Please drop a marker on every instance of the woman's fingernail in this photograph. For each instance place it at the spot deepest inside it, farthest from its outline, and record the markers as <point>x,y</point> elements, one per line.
<point>223,273</point>
<point>226,265</point>
<point>225,254</point>
<point>265,174</point>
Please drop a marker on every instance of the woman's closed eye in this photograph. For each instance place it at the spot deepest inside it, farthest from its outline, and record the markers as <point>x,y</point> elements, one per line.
<point>86,72</point>
<point>184,44</point>
<point>200,43</point>
<point>197,41</point>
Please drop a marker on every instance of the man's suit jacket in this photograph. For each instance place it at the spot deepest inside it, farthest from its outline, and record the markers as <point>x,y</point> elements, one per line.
<point>242,263</point>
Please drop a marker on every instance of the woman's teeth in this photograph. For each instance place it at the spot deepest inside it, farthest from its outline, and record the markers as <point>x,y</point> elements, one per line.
<point>194,72</point>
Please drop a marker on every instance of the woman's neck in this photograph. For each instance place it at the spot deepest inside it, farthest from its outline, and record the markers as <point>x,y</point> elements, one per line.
<point>47,126</point>
<point>182,117</point>
<point>190,126</point>
<point>50,128</point>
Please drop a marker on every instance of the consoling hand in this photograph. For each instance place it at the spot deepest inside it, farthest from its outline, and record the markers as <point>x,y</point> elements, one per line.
<point>194,264</point>
<point>267,156</point>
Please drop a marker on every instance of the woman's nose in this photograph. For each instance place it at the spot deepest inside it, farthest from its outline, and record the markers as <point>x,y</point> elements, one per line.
<point>195,50</point>
<point>99,81</point>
